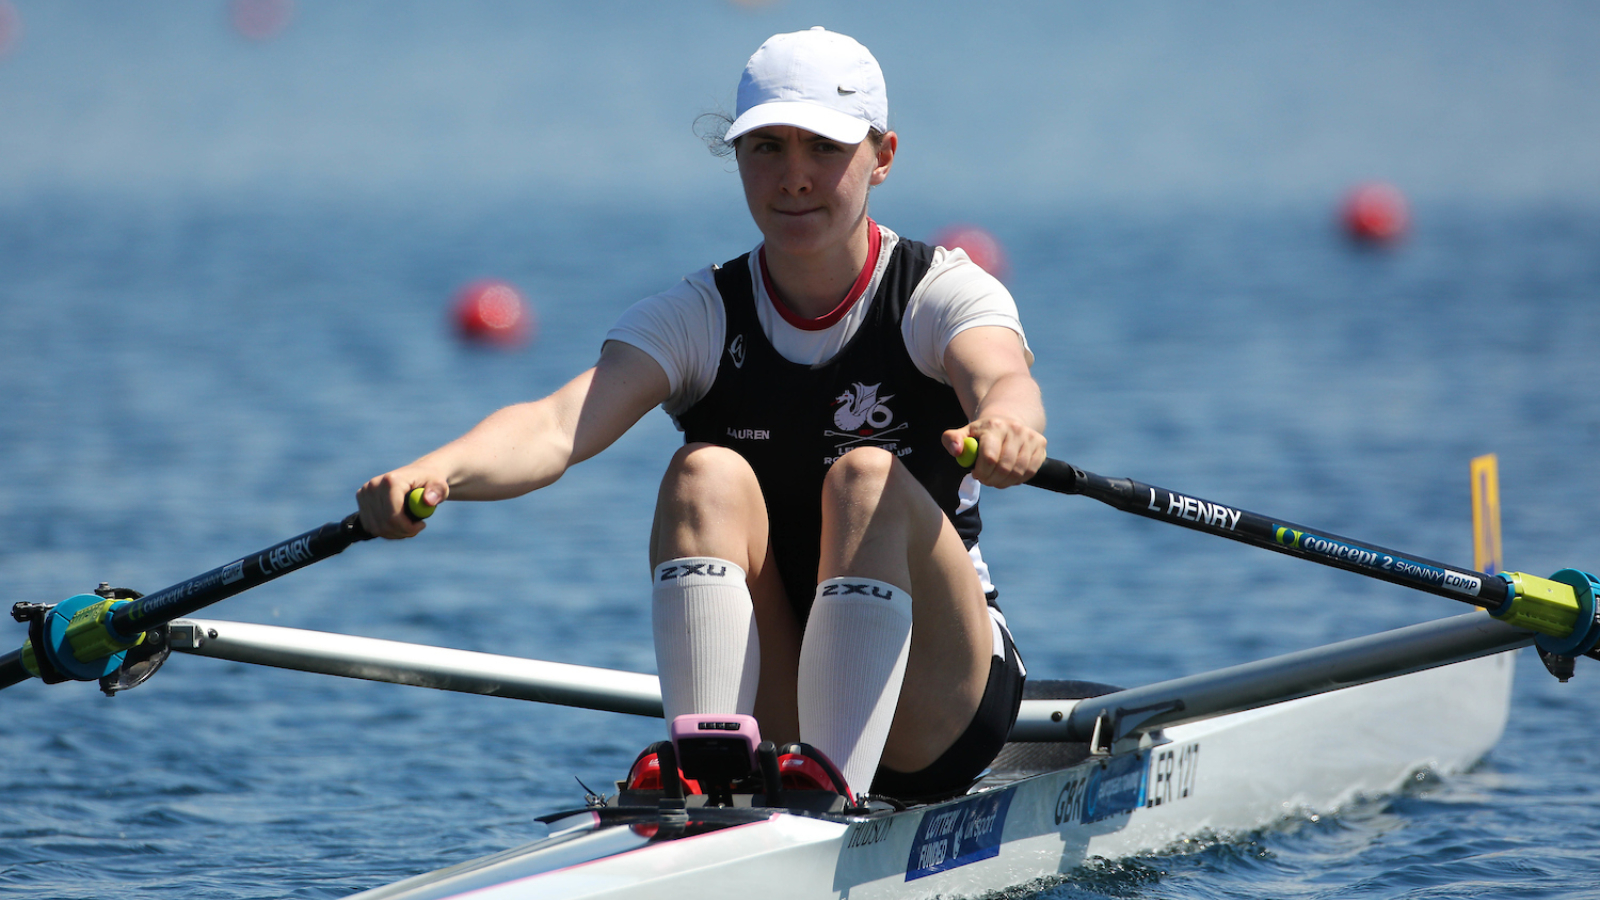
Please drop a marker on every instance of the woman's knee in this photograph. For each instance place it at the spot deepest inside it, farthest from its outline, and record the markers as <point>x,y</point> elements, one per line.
<point>868,470</point>
<point>868,480</point>
<point>709,503</point>
<point>697,470</point>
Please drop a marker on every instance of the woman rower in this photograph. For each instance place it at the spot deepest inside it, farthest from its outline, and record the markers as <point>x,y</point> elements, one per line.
<point>825,383</point>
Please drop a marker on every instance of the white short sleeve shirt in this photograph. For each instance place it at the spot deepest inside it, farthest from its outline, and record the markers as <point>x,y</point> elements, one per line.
<point>683,328</point>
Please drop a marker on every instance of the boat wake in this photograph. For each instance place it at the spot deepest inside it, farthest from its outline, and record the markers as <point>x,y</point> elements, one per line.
<point>1295,857</point>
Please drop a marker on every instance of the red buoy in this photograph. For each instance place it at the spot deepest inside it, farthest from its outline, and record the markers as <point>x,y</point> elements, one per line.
<point>492,312</point>
<point>1375,212</point>
<point>981,247</point>
<point>10,27</point>
<point>260,20</point>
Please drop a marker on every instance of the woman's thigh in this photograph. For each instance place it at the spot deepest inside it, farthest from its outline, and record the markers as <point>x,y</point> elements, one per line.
<point>710,504</point>
<point>879,522</point>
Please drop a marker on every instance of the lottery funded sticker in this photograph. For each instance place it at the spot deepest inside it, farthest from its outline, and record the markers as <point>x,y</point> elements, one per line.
<point>960,833</point>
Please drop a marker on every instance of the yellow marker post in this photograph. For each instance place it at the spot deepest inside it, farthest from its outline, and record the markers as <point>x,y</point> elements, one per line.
<point>1486,556</point>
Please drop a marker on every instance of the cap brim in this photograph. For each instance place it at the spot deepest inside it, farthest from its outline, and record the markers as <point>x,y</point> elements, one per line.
<point>830,123</point>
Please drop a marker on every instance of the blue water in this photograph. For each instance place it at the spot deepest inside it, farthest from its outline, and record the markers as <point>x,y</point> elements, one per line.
<point>224,270</point>
<point>186,385</point>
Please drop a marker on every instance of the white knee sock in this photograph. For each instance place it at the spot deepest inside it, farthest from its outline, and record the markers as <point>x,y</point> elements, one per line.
<point>852,661</point>
<point>706,646</point>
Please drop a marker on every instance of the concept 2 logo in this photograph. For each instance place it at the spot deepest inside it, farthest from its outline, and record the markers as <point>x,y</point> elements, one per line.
<point>1299,540</point>
<point>1403,569</point>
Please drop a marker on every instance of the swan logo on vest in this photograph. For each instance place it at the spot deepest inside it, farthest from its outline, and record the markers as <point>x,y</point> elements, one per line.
<point>864,419</point>
<point>860,405</point>
<point>736,351</point>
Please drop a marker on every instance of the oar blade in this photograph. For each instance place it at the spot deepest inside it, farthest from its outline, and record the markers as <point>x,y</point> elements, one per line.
<point>1486,555</point>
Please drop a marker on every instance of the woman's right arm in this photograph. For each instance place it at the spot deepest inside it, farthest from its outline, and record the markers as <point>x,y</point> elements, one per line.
<point>524,447</point>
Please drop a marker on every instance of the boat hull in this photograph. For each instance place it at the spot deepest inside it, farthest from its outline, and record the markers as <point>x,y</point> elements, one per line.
<point>1220,776</point>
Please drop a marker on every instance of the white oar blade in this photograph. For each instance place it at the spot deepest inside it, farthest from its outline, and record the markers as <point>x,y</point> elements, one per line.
<point>420,665</point>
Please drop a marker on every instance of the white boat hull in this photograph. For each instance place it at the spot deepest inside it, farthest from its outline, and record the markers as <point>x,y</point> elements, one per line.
<point>1225,775</point>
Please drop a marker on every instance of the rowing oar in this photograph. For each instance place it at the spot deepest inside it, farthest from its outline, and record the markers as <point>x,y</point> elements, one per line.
<point>1560,608</point>
<point>88,637</point>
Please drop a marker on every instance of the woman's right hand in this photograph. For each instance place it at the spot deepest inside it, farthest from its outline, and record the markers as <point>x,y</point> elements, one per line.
<point>382,501</point>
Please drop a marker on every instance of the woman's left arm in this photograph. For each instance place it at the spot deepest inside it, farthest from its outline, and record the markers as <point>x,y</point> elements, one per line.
<point>988,367</point>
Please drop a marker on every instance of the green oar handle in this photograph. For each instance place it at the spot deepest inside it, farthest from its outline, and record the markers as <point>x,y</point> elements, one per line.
<point>101,630</point>
<point>1561,608</point>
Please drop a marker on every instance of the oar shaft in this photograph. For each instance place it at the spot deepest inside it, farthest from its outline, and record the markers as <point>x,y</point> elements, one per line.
<point>189,596</point>
<point>1265,682</point>
<point>1277,535</point>
<point>86,640</point>
<point>440,668</point>
<point>12,670</point>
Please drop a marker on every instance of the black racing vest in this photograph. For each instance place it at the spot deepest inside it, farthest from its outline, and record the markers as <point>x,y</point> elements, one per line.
<point>792,421</point>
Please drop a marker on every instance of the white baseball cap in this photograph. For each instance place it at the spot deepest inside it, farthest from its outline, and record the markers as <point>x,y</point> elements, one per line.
<point>818,80</point>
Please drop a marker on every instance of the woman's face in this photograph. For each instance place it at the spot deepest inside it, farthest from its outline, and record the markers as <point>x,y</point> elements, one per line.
<point>808,194</point>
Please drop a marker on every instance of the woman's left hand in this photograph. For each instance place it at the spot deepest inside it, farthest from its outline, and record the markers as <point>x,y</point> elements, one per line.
<point>1009,452</point>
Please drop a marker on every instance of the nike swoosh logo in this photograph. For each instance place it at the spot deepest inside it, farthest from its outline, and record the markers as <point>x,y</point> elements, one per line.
<point>845,93</point>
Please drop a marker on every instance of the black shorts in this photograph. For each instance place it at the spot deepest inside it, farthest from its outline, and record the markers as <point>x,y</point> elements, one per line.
<point>954,771</point>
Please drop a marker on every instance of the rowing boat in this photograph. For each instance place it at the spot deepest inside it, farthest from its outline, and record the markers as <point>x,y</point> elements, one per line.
<point>1091,771</point>
<point>1226,775</point>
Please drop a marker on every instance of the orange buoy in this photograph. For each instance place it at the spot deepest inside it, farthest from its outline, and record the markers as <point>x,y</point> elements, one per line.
<point>1375,213</point>
<point>981,247</point>
<point>492,312</point>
